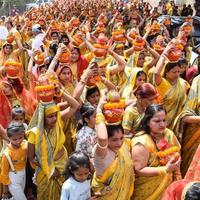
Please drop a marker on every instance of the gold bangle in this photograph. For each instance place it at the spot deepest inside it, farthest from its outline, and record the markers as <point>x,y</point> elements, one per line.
<point>162,171</point>
<point>100,118</point>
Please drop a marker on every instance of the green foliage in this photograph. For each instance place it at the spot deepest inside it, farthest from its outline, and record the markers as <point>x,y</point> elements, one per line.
<point>7,5</point>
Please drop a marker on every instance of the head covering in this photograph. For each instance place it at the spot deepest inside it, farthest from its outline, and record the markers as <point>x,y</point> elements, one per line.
<point>43,149</point>
<point>128,86</point>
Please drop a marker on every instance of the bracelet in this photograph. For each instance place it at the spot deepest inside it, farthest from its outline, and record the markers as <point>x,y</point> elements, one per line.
<point>162,171</point>
<point>83,81</point>
<point>105,147</point>
<point>100,118</point>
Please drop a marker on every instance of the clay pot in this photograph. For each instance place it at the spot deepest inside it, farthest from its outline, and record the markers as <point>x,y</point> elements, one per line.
<point>10,39</point>
<point>65,57</point>
<point>174,55</point>
<point>113,116</point>
<point>139,44</point>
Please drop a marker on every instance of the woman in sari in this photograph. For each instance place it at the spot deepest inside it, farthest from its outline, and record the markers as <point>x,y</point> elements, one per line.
<point>46,146</point>
<point>186,125</point>
<point>114,177</point>
<point>188,188</point>
<point>145,95</point>
<point>153,151</point>
<point>172,88</point>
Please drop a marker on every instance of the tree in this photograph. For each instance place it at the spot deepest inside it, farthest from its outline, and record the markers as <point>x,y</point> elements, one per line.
<point>7,5</point>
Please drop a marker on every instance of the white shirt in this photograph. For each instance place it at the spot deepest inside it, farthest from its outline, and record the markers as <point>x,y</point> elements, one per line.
<point>74,190</point>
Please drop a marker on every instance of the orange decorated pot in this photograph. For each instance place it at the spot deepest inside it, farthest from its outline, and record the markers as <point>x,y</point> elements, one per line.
<point>39,58</point>
<point>133,34</point>
<point>139,44</point>
<point>12,68</point>
<point>10,39</point>
<point>174,55</point>
<point>113,116</point>
<point>100,50</point>
<point>44,89</point>
<point>65,57</point>
<point>155,28</point>
<point>158,48</point>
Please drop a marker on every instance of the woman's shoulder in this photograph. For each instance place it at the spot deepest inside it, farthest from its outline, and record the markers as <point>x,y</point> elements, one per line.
<point>143,139</point>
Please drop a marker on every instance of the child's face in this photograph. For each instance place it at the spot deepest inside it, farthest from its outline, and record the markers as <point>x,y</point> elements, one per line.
<point>18,118</point>
<point>81,174</point>
<point>17,139</point>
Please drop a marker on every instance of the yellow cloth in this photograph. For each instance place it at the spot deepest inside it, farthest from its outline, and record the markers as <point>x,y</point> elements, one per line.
<point>18,158</point>
<point>131,118</point>
<point>189,134</point>
<point>151,188</point>
<point>129,84</point>
<point>118,177</point>
<point>36,134</point>
<point>173,98</point>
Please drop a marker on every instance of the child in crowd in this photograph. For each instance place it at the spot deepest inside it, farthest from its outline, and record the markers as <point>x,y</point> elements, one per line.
<point>18,115</point>
<point>77,185</point>
<point>86,135</point>
<point>13,165</point>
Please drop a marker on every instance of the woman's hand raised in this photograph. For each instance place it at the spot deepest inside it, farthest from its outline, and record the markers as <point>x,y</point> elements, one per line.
<point>172,166</point>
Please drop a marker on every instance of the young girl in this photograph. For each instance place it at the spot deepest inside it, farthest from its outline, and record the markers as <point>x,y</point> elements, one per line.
<point>18,115</point>
<point>13,176</point>
<point>77,185</point>
<point>86,135</point>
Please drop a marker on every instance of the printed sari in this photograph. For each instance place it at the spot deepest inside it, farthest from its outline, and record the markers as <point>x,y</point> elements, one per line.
<point>152,188</point>
<point>189,134</point>
<point>117,181</point>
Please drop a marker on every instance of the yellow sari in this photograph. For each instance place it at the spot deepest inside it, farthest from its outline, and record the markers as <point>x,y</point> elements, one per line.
<point>152,188</point>
<point>131,118</point>
<point>173,98</point>
<point>189,134</point>
<point>117,181</point>
<point>49,151</point>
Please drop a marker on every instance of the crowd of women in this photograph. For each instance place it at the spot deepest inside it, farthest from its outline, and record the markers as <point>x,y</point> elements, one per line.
<point>98,101</point>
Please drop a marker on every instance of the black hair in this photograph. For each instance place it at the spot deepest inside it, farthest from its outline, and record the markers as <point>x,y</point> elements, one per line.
<point>16,84</point>
<point>53,47</point>
<point>54,32</point>
<point>17,111</point>
<point>150,111</point>
<point>141,73</point>
<point>193,192</point>
<point>86,111</point>
<point>77,49</point>
<point>15,128</point>
<point>169,66</point>
<point>112,129</point>
<point>62,37</point>
<point>91,91</point>
<point>76,160</point>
